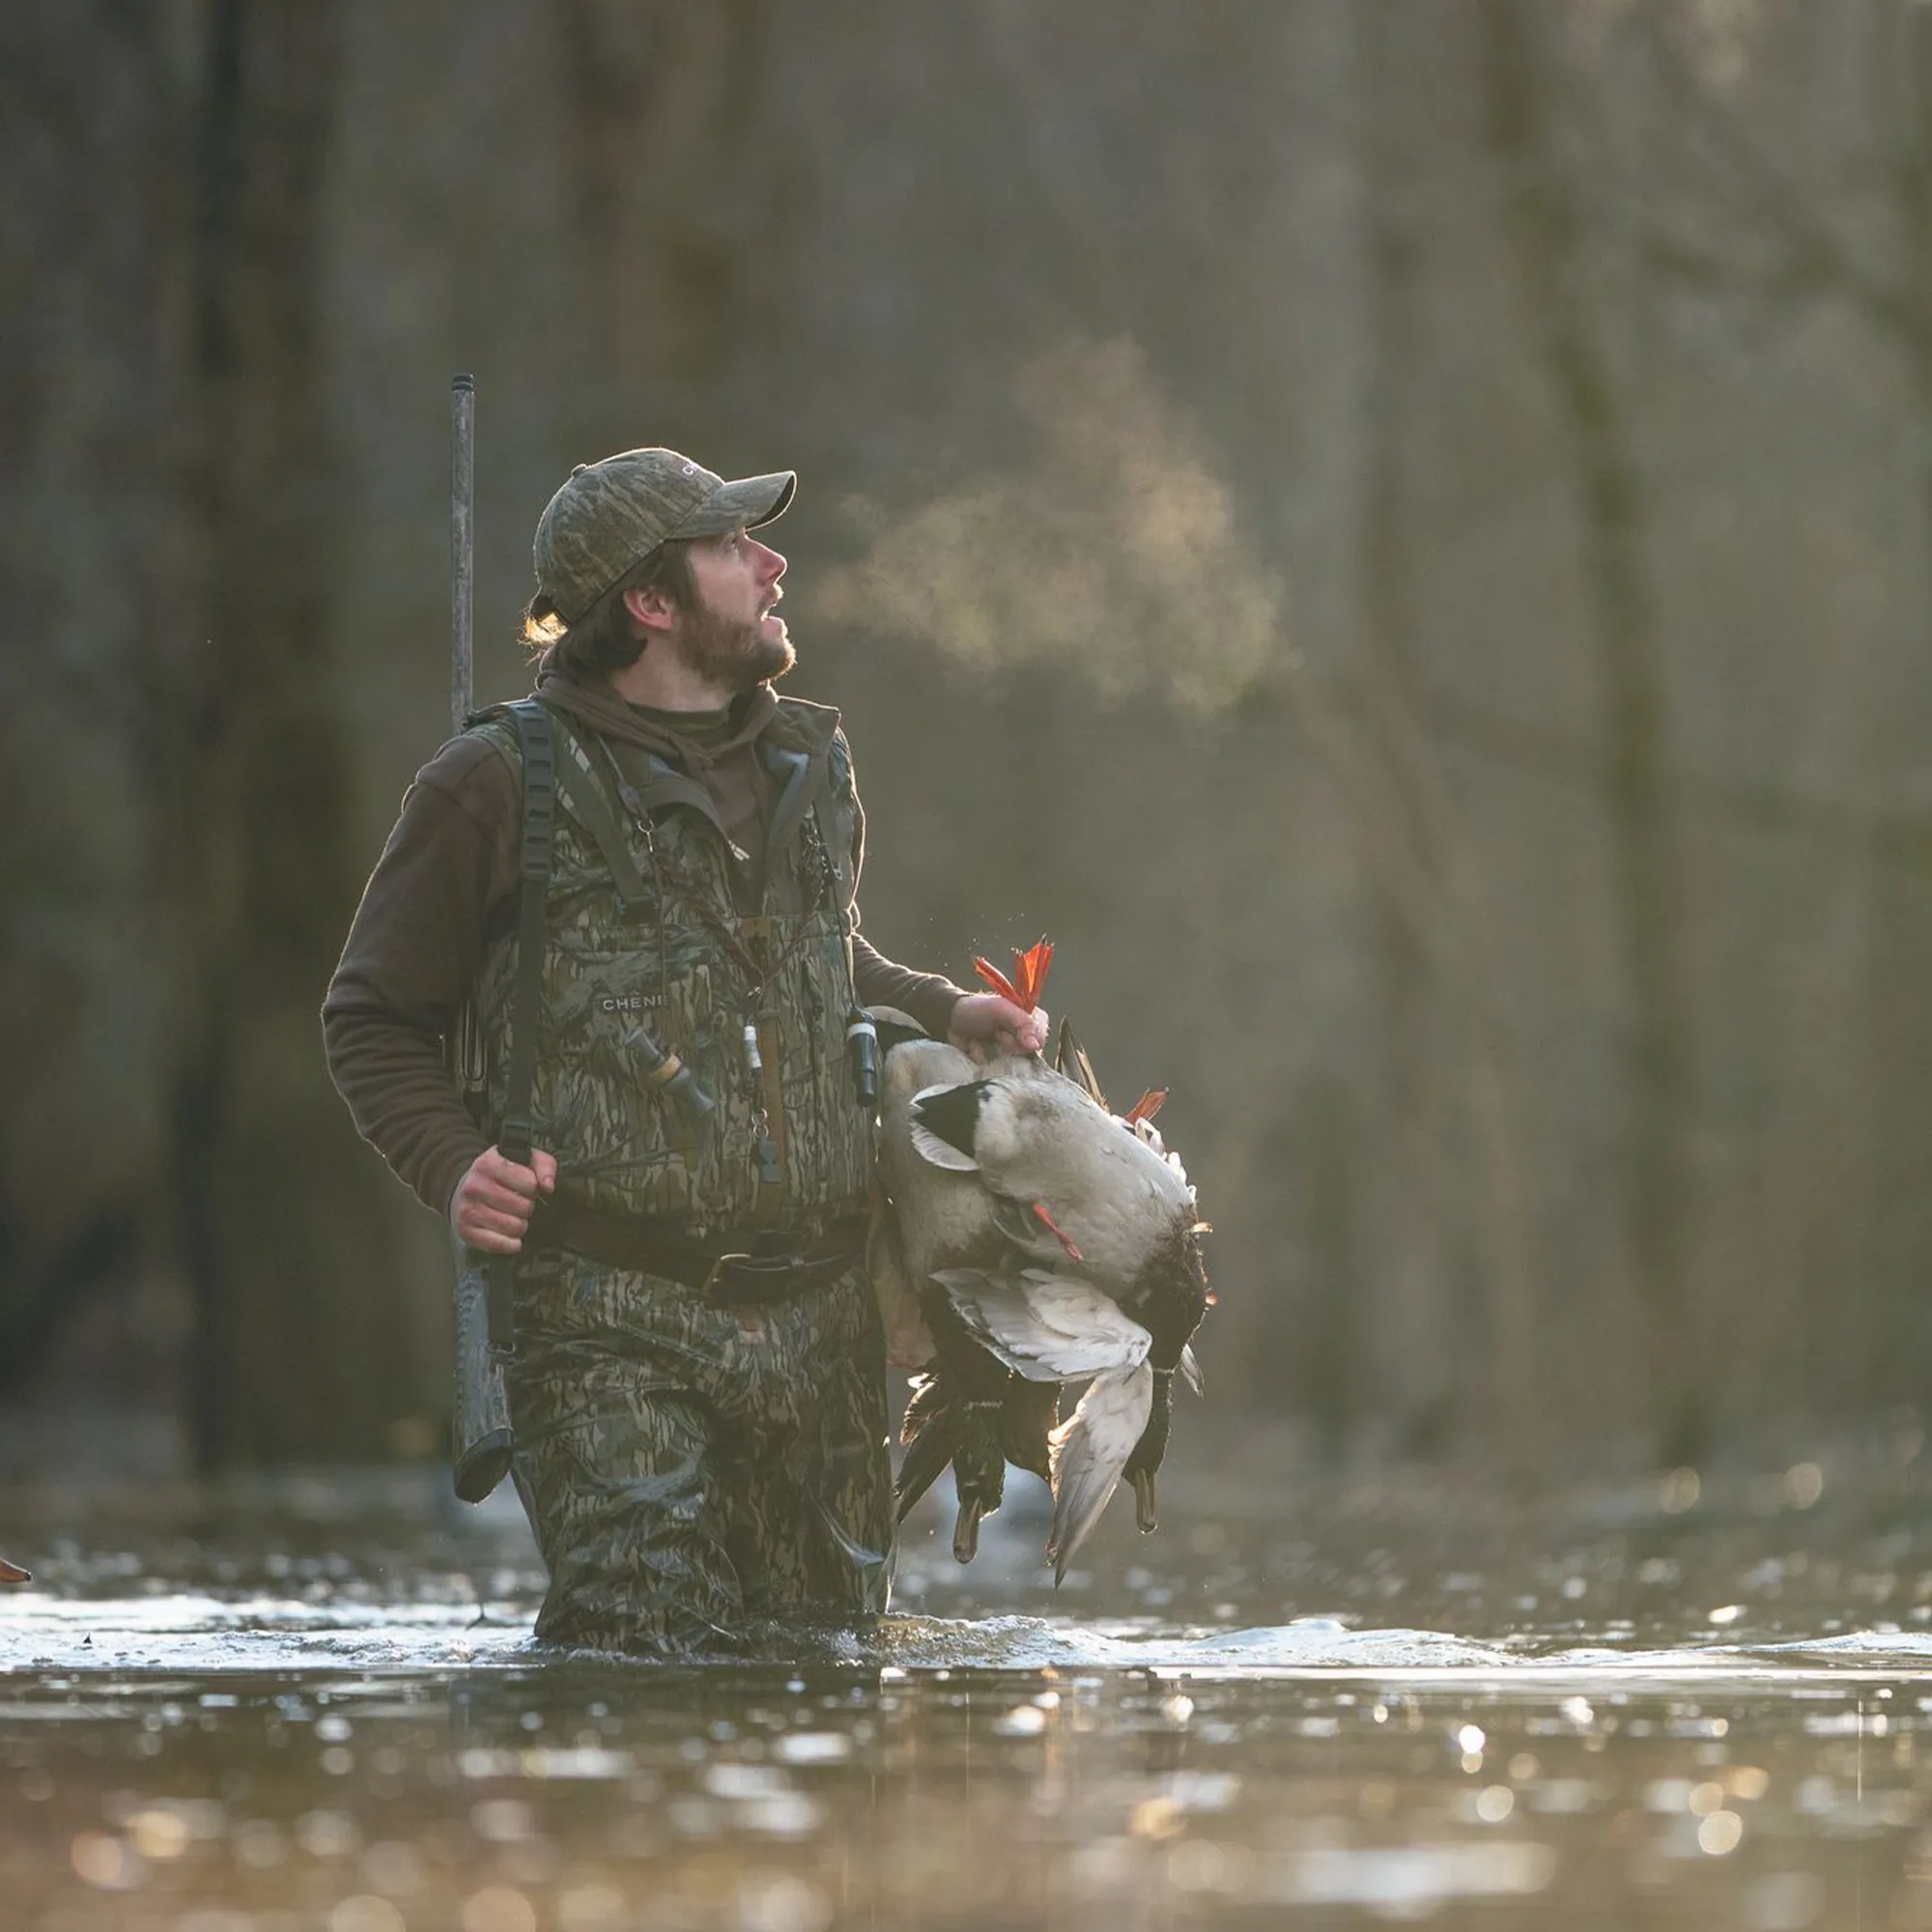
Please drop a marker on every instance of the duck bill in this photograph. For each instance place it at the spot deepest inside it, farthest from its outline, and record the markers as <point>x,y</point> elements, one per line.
<point>966,1532</point>
<point>1147,1501</point>
<point>12,1573</point>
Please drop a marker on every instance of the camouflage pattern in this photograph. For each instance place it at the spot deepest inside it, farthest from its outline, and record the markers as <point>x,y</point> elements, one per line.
<point>610,515</point>
<point>686,1467</point>
<point>614,973</point>
<point>691,1470</point>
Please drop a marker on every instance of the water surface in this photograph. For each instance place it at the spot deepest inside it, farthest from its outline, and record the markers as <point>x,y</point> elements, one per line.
<point>314,1703</point>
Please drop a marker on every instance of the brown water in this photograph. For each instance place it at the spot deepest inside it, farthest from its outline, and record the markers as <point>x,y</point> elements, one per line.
<point>314,1705</point>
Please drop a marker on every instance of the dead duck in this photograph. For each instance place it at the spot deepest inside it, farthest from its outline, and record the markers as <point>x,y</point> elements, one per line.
<point>1066,1243</point>
<point>969,1410</point>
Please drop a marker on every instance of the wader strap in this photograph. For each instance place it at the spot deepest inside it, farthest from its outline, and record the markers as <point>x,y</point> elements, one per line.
<point>661,784</point>
<point>586,800</point>
<point>518,1132</point>
<point>796,772</point>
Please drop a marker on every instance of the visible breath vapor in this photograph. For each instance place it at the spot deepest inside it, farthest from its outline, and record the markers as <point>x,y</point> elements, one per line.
<point>1110,547</point>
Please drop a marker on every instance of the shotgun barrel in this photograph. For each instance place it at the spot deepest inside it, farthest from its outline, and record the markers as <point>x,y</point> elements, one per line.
<point>480,1409</point>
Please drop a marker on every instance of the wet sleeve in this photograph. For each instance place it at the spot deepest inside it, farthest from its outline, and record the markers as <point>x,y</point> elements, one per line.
<point>412,956</point>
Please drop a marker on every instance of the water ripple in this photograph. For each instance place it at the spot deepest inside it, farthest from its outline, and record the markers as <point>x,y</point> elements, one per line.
<point>201,1633</point>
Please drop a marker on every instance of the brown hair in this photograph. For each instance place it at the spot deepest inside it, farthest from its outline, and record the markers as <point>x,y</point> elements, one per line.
<point>607,636</point>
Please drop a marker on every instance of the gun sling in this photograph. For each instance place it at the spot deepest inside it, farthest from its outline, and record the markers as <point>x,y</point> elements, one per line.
<point>517,1134</point>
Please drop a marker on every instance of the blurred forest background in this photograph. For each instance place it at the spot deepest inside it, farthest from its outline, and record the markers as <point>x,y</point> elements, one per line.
<point>1399,535</point>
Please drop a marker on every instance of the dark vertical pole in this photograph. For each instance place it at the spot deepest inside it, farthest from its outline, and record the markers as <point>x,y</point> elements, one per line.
<point>481,1409</point>
<point>461,547</point>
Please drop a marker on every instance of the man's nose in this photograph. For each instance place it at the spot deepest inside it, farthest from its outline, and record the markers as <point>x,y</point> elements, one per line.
<point>774,563</point>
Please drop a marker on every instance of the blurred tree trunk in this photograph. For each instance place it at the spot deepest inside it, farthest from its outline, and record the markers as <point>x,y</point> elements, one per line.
<point>1411,1339</point>
<point>1830,1296</point>
<point>1438,1060</point>
<point>660,94</point>
<point>297,1307</point>
<point>84,142</point>
<point>1884,1237</point>
<point>1545,233</point>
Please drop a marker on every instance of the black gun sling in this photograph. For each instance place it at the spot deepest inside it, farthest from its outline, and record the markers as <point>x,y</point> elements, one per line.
<point>517,1135</point>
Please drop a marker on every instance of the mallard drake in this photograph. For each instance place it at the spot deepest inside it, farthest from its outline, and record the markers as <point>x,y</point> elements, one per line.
<point>968,1410</point>
<point>1066,1245</point>
<point>12,1573</point>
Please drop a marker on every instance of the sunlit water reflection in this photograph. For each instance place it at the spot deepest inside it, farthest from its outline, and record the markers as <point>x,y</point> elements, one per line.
<point>315,1705</point>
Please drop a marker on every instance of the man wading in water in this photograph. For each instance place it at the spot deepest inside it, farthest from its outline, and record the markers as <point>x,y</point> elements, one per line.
<point>697,1386</point>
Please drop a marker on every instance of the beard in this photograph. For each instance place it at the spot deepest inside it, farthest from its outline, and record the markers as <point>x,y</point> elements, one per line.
<point>725,651</point>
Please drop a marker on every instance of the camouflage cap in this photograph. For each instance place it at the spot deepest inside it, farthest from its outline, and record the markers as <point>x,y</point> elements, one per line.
<point>612,515</point>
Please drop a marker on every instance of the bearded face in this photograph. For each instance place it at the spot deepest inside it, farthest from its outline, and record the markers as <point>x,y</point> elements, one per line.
<point>729,652</point>
<point>734,652</point>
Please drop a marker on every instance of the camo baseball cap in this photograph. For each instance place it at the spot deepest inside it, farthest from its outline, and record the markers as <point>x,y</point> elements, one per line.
<point>609,516</point>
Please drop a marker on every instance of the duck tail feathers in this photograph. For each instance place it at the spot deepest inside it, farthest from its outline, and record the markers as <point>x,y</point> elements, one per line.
<point>1071,1059</point>
<point>1089,1450</point>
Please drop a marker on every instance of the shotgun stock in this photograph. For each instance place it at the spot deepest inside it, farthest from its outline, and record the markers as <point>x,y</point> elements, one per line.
<point>482,1405</point>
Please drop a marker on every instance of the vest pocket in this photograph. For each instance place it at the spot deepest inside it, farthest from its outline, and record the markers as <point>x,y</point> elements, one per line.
<point>627,1140</point>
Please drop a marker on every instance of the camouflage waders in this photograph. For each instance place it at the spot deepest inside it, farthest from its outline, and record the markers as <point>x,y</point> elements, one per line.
<point>687,1466</point>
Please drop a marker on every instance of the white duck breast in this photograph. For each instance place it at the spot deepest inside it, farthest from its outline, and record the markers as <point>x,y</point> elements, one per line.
<point>1042,1139</point>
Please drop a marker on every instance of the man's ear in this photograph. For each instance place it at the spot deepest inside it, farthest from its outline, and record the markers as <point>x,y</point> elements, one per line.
<point>652,608</point>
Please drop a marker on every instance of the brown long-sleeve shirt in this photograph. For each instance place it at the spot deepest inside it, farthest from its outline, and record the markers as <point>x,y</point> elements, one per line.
<point>448,882</point>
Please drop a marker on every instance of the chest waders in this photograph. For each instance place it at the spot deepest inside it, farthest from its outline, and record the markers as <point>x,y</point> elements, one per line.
<point>748,1196</point>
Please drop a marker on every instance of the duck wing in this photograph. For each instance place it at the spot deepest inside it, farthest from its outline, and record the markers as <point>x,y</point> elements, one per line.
<point>1047,1327</point>
<point>1089,1450</point>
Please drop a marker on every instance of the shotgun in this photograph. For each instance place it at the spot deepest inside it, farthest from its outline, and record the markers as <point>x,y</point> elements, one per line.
<point>481,1409</point>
